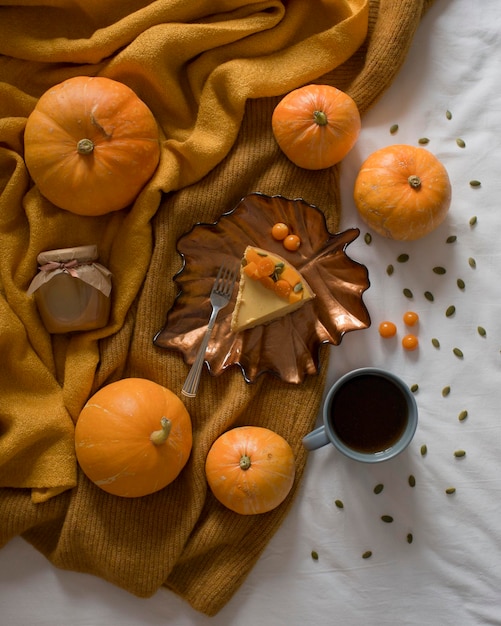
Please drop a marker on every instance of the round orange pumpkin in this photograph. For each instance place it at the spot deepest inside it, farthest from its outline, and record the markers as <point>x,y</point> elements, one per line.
<point>402,192</point>
<point>250,469</point>
<point>133,437</point>
<point>316,126</point>
<point>90,145</point>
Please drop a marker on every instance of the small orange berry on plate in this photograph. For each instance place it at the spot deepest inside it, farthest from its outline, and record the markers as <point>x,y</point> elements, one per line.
<point>387,329</point>
<point>292,242</point>
<point>279,231</point>
<point>410,318</point>
<point>410,342</point>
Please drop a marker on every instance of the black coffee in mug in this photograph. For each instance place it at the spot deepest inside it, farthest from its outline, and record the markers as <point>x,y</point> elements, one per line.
<point>369,413</point>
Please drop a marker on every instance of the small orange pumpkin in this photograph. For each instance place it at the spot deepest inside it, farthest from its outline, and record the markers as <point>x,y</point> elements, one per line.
<point>133,437</point>
<point>250,469</point>
<point>90,145</point>
<point>316,126</point>
<point>402,192</point>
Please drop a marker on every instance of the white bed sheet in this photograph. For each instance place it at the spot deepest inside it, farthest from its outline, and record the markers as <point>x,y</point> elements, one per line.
<point>451,572</point>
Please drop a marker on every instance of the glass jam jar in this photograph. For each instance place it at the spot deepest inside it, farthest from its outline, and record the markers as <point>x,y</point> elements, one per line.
<point>72,291</point>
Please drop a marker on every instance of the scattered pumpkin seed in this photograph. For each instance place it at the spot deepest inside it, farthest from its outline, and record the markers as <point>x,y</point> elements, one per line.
<point>439,270</point>
<point>390,269</point>
<point>461,142</point>
<point>451,239</point>
<point>407,293</point>
<point>435,342</point>
<point>475,183</point>
<point>424,450</point>
<point>378,488</point>
<point>473,220</point>
<point>450,490</point>
<point>448,115</point>
<point>410,538</point>
<point>459,453</point>
<point>367,554</point>
<point>393,128</point>
<point>414,387</point>
<point>339,504</point>
<point>481,331</point>
<point>429,296</point>
<point>314,555</point>
<point>403,258</point>
<point>388,519</point>
<point>458,353</point>
<point>423,141</point>
<point>368,238</point>
<point>446,391</point>
<point>472,263</point>
<point>460,283</point>
<point>449,312</point>
<point>412,481</point>
<point>463,415</point>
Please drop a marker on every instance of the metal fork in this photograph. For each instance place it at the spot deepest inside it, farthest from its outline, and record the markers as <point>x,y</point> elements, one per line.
<point>219,298</point>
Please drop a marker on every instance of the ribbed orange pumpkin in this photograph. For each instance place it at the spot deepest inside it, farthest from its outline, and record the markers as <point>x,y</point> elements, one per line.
<point>250,469</point>
<point>316,126</point>
<point>91,145</point>
<point>402,192</point>
<point>133,437</point>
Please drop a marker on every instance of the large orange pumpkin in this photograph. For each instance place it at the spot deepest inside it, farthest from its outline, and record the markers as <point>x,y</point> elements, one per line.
<point>133,437</point>
<point>90,145</point>
<point>316,126</point>
<point>250,469</point>
<point>402,192</point>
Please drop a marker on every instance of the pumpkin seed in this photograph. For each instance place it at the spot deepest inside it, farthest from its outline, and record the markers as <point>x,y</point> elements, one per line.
<point>393,128</point>
<point>367,554</point>
<point>448,115</point>
<point>297,287</point>
<point>314,555</point>
<point>429,296</point>
<point>412,481</point>
<point>446,391</point>
<point>390,269</point>
<point>435,342</point>
<point>461,142</point>
<point>414,387</point>
<point>388,519</point>
<point>410,538</point>
<point>458,353</point>
<point>368,238</point>
<point>424,450</point>
<point>407,293</point>
<point>423,141</point>
<point>473,220</point>
<point>450,490</point>
<point>481,331</point>
<point>451,239</point>
<point>403,258</point>
<point>472,263</point>
<point>475,183</point>
<point>449,312</point>
<point>339,504</point>
<point>378,488</point>
<point>459,453</point>
<point>439,270</point>
<point>463,415</point>
<point>460,283</point>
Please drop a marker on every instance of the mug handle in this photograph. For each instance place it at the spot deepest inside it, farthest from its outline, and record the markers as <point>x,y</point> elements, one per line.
<point>316,439</point>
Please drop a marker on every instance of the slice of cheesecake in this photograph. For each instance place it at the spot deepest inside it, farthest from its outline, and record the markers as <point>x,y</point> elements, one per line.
<point>269,288</point>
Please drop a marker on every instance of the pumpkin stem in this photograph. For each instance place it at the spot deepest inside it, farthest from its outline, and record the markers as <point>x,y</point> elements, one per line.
<point>85,146</point>
<point>320,118</point>
<point>158,437</point>
<point>414,181</point>
<point>245,462</point>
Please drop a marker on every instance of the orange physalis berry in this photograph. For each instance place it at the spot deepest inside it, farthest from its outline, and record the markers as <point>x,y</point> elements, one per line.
<point>282,288</point>
<point>279,231</point>
<point>292,243</point>
<point>410,318</point>
<point>266,266</point>
<point>387,329</point>
<point>410,342</point>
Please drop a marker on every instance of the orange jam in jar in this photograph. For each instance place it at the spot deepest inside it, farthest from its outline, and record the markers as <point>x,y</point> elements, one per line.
<point>72,291</point>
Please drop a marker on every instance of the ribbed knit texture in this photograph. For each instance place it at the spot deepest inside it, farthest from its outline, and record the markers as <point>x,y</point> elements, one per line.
<point>218,147</point>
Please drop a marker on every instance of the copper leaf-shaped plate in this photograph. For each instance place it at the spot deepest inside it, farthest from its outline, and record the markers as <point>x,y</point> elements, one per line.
<point>288,347</point>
